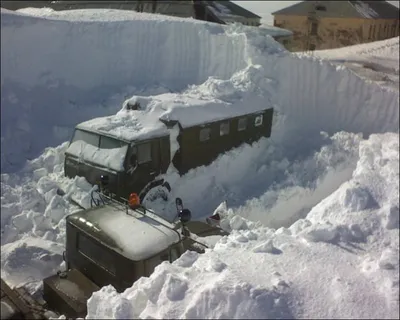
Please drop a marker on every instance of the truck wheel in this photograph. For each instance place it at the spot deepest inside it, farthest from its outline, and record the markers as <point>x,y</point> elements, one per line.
<point>156,191</point>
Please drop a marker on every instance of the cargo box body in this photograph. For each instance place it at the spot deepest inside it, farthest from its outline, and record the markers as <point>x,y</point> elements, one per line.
<point>201,145</point>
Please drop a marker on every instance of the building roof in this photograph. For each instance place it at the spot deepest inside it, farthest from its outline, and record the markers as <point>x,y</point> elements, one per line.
<point>231,8</point>
<point>377,9</point>
<point>133,235</point>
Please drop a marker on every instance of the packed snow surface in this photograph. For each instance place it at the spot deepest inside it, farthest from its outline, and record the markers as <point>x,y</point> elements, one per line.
<point>313,211</point>
<point>377,61</point>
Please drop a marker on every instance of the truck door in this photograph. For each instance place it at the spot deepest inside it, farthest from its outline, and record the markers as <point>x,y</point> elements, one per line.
<point>143,165</point>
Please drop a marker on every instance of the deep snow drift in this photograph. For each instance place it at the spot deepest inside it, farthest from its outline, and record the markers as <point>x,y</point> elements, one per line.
<point>340,259</point>
<point>366,60</point>
<point>76,68</point>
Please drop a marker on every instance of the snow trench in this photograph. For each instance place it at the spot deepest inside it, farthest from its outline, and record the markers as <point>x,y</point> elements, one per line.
<point>339,259</point>
<point>77,69</point>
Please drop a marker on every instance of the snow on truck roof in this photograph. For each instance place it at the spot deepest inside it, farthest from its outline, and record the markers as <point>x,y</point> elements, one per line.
<point>137,236</point>
<point>149,121</point>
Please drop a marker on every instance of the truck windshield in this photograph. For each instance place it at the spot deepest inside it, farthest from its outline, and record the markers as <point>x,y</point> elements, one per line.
<point>104,151</point>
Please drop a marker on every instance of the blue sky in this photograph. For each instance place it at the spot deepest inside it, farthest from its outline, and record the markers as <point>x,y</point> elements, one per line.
<point>264,8</point>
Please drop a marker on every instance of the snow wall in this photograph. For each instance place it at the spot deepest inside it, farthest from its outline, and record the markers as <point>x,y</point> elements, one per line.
<point>75,70</point>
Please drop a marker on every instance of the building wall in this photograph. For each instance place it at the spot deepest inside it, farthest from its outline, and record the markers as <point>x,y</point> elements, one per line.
<point>334,32</point>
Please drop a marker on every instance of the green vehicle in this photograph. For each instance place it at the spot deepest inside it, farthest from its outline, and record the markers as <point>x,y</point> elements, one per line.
<point>110,244</point>
<point>134,152</point>
<point>118,240</point>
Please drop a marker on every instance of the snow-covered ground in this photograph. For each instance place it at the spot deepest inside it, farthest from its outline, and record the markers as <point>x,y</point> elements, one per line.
<point>314,210</point>
<point>366,60</point>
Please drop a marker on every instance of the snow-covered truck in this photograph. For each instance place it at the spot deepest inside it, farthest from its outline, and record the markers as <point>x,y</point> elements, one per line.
<point>110,244</point>
<point>127,155</point>
<point>133,149</point>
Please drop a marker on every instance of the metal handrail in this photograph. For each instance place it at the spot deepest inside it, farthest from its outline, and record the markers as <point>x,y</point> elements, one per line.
<point>115,202</point>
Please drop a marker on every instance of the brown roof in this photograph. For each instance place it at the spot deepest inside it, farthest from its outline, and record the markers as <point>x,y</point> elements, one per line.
<point>378,9</point>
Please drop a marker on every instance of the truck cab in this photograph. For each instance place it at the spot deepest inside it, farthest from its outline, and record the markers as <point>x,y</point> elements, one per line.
<point>135,148</point>
<point>115,245</point>
<point>128,165</point>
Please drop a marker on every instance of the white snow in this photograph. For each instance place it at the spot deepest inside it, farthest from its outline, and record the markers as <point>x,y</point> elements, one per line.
<point>188,108</point>
<point>339,261</point>
<point>109,158</point>
<point>313,211</point>
<point>29,260</point>
<point>275,31</point>
<point>366,60</point>
<point>365,10</point>
<point>138,238</point>
<point>71,74</point>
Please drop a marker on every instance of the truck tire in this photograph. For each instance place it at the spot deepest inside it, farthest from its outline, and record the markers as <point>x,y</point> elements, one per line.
<point>159,189</point>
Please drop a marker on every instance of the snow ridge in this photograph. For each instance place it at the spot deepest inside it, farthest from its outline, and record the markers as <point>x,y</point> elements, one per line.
<point>172,54</point>
<point>338,260</point>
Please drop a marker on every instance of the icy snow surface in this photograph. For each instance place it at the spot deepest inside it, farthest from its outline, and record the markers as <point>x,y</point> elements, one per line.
<point>313,211</point>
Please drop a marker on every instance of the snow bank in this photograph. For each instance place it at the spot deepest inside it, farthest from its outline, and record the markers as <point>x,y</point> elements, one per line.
<point>338,262</point>
<point>340,259</point>
<point>387,49</point>
<point>378,61</point>
<point>72,70</point>
<point>214,100</point>
<point>72,73</point>
<point>30,260</point>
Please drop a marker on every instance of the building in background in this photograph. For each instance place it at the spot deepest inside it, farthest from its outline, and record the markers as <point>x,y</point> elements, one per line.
<point>230,12</point>
<point>320,25</point>
<point>222,12</point>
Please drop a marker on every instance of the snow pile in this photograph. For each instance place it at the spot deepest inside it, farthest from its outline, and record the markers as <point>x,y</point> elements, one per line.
<point>387,50</point>
<point>112,158</point>
<point>214,100</point>
<point>378,61</point>
<point>29,260</point>
<point>275,31</point>
<point>85,63</point>
<point>340,261</point>
<point>321,165</point>
<point>71,74</point>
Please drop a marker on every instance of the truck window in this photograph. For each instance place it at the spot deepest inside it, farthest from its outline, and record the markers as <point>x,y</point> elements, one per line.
<point>224,129</point>
<point>258,121</point>
<point>95,253</point>
<point>144,153</point>
<point>87,137</point>
<point>205,134</point>
<point>110,143</point>
<point>104,151</point>
<point>242,124</point>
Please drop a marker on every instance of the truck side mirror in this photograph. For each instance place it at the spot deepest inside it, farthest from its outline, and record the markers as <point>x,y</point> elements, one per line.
<point>185,216</point>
